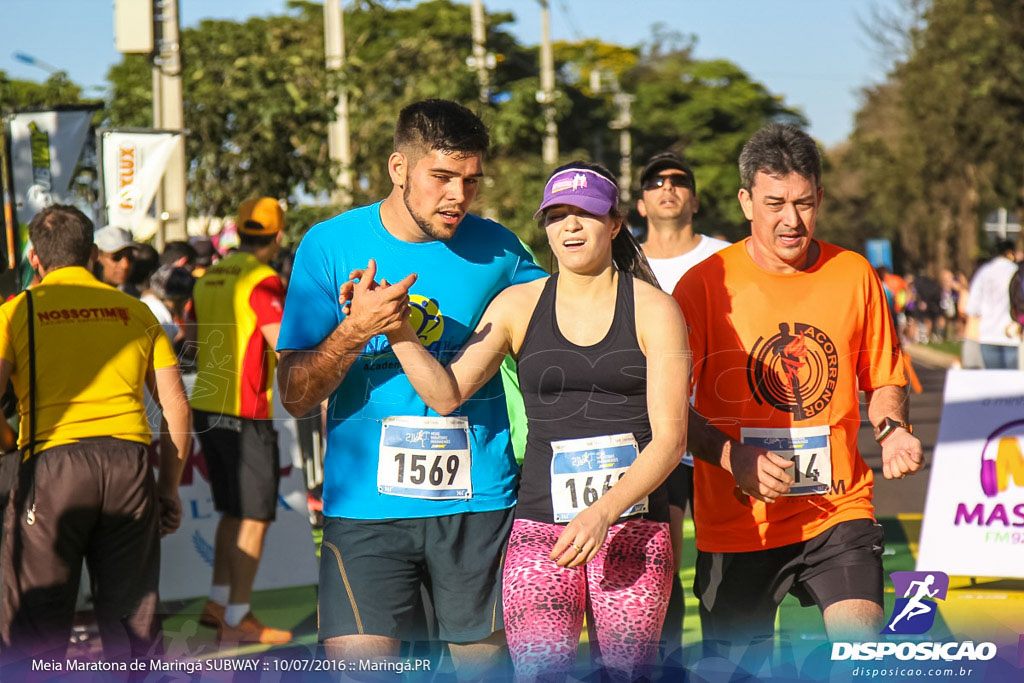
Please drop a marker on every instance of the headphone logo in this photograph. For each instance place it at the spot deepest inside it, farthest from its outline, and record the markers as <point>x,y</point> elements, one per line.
<point>1002,459</point>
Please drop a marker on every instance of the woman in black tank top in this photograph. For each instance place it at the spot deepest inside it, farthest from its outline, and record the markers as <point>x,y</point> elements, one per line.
<point>604,371</point>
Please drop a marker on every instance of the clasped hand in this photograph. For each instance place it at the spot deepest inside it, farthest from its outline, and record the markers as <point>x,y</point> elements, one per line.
<point>375,308</point>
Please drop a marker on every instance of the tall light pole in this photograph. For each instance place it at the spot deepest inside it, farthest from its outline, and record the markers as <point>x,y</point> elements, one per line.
<point>622,124</point>
<point>602,81</point>
<point>546,96</point>
<point>169,114</point>
<point>338,145</point>
<point>481,61</point>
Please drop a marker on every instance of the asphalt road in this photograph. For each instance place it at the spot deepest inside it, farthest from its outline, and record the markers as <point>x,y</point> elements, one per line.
<point>907,495</point>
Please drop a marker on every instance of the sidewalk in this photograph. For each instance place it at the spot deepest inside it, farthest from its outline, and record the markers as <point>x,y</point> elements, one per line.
<point>930,357</point>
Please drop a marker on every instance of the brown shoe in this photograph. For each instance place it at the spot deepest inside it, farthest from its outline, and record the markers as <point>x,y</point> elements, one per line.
<point>251,630</point>
<point>212,615</point>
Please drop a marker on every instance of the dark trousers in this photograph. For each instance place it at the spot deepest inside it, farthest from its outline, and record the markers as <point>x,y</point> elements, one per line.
<point>95,500</point>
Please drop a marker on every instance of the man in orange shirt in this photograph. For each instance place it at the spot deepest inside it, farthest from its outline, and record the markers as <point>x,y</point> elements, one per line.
<point>785,330</point>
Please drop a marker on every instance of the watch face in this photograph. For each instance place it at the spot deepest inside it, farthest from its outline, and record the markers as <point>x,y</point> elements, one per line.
<point>887,427</point>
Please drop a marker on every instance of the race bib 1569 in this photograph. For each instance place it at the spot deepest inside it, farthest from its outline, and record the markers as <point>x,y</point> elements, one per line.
<point>425,457</point>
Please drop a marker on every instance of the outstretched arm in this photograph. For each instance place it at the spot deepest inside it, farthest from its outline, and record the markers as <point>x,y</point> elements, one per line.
<point>309,376</point>
<point>442,388</point>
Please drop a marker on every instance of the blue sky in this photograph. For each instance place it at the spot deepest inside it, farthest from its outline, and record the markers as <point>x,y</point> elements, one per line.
<point>815,53</point>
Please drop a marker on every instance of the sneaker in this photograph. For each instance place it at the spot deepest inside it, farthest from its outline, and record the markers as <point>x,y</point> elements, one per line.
<point>212,615</point>
<point>251,630</point>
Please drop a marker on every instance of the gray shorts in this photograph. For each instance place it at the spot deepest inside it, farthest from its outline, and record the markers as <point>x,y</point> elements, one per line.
<point>372,571</point>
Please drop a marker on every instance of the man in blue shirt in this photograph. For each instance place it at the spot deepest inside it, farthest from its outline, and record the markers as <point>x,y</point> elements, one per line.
<point>409,497</point>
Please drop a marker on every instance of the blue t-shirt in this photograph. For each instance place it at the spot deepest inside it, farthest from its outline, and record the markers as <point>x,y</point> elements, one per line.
<point>457,279</point>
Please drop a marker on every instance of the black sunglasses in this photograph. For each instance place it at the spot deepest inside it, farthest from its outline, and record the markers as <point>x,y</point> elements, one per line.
<point>677,180</point>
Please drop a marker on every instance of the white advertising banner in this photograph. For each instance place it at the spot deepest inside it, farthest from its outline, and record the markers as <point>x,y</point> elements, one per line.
<point>133,164</point>
<point>186,556</point>
<point>974,513</point>
<point>45,148</point>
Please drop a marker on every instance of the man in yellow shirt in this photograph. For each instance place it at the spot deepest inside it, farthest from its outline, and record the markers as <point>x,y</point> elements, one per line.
<point>85,488</point>
<point>238,304</point>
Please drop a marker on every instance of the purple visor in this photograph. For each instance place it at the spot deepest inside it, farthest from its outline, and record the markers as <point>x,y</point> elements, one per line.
<point>582,188</point>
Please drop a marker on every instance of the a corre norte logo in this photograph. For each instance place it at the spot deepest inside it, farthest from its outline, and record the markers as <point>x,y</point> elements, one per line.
<point>794,371</point>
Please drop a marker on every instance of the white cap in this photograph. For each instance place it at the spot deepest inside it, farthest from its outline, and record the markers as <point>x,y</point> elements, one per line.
<point>112,239</point>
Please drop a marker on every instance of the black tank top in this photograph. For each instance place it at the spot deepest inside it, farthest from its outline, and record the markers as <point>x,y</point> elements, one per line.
<point>573,392</point>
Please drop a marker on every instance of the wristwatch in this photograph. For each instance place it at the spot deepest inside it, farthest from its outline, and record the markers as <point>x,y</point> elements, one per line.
<point>887,426</point>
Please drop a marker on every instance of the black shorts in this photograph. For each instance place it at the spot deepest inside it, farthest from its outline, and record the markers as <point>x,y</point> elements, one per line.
<point>739,593</point>
<point>371,572</point>
<point>680,487</point>
<point>242,461</point>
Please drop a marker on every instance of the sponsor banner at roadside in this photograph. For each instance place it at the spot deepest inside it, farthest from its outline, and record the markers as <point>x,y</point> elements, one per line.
<point>133,164</point>
<point>973,521</point>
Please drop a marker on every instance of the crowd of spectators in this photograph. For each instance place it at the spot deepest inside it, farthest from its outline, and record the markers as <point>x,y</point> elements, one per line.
<point>974,312</point>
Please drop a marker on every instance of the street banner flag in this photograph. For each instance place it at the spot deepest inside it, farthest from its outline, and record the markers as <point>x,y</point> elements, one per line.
<point>45,147</point>
<point>133,164</point>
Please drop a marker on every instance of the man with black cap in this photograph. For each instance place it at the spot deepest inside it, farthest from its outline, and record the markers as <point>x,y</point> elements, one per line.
<point>239,302</point>
<point>668,200</point>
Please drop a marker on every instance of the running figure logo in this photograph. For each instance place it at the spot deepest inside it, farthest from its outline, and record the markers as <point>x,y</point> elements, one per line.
<point>794,371</point>
<point>915,612</point>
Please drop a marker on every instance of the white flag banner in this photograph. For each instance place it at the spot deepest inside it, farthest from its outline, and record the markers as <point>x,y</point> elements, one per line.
<point>45,148</point>
<point>133,164</point>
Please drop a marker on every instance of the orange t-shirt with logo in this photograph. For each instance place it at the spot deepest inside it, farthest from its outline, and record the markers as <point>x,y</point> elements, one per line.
<point>785,351</point>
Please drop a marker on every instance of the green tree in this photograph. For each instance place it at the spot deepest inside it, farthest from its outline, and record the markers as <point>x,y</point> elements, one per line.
<point>254,107</point>
<point>56,90</point>
<point>939,145</point>
<point>257,106</point>
<point>256,103</point>
<point>705,111</point>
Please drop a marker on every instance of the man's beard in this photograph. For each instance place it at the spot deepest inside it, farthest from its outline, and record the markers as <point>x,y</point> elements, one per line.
<point>425,225</point>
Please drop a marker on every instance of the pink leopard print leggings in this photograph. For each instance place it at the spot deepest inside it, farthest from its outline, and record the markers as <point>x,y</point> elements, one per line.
<point>626,587</point>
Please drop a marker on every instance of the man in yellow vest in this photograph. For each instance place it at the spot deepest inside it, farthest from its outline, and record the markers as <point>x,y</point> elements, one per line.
<point>239,302</point>
<point>79,353</point>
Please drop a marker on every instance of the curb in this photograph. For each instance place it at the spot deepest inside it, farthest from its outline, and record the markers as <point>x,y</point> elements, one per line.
<point>931,357</point>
